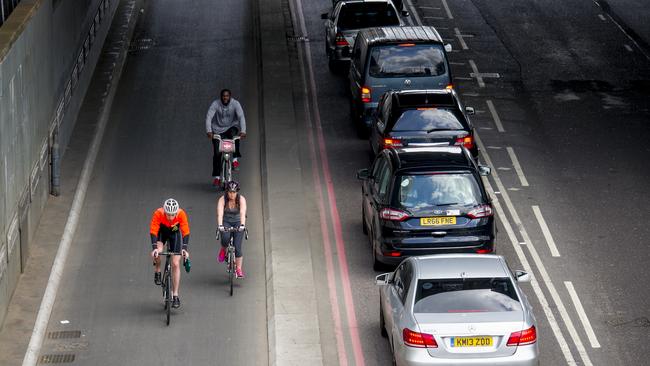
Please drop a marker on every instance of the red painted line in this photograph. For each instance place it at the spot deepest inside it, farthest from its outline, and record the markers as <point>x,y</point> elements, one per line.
<point>327,251</point>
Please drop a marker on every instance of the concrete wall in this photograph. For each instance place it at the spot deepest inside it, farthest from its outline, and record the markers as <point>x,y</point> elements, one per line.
<point>48,50</point>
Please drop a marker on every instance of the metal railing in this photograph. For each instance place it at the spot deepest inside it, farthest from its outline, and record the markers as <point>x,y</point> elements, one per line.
<point>6,7</point>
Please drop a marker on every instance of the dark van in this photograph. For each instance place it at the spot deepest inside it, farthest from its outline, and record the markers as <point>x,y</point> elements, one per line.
<point>394,58</point>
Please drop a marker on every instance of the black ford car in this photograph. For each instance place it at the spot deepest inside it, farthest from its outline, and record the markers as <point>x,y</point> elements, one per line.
<point>426,200</point>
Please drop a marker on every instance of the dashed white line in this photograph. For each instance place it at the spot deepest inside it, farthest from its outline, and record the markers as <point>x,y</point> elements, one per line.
<point>414,13</point>
<point>540,266</point>
<point>546,231</point>
<point>479,78</point>
<point>628,48</point>
<point>582,314</point>
<point>602,17</point>
<point>463,45</point>
<point>515,163</point>
<point>429,7</point>
<point>444,3</point>
<point>495,115</point>
<point>432,17</point>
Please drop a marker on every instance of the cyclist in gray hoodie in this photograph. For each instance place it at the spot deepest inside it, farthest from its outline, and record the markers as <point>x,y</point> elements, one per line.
<point>226,118</point>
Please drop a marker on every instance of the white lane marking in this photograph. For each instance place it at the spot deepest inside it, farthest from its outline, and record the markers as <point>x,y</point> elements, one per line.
<point>414,13</point>
<point>516,244</point>
<point>546,231</point>
<point>432,17</point>
<point>429,7</point>
<point>628,48</point>
<point>444,3</point>
<point>463,45</point>
<point>515,163</point>
<point>643,51</point>
<point>538,262</point>
<point>54,281</point>
<point>495,115</point>
<point>456,63</point>
<point>582,314</point>
<point>602,17</point>
<point>479,78</point>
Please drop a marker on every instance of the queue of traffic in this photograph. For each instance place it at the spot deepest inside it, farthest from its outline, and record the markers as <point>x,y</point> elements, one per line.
<point>449,300</point>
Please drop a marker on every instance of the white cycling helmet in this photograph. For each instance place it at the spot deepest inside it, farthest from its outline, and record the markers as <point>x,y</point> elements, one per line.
<point>171,206</point>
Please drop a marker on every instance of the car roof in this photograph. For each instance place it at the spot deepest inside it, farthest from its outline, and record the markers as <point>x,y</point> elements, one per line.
<point>418,98</point>
<point>401,34</point>
<point>460,265</point>
<point>435,157</point>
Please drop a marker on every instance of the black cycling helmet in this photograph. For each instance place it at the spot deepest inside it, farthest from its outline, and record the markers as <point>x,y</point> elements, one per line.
<point>232,186</point>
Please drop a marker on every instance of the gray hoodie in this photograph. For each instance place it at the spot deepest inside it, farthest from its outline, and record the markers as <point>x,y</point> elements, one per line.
<point>221,117</point>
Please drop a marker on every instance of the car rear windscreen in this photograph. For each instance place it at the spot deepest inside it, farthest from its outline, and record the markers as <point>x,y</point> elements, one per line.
<point>407,60</point>
<point>367,15</point>
<point>466,295</point>
<point>434,190</point>
<point>428,119</point>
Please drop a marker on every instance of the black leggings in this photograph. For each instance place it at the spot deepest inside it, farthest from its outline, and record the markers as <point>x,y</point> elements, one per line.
<point>216,157</point>
<point>173,238</point>
<point>238,236</point>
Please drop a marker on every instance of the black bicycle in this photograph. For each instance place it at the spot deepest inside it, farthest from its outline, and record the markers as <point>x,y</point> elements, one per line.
<point>231,266</point>
<point>166,284</point>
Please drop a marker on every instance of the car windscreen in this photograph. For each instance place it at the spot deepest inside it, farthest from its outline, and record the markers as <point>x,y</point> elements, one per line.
<point>367,15</point>
<point>407,60</point>
<point>466,295</point>
<point>429,119</point>
<point>431,190</point>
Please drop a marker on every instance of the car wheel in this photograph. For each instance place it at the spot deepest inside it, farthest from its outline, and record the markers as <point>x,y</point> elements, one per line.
<point>382,322</point>
<point>331,64</point>
<point>363,219</point>
<point>363,132</point>
<point>376,264</point>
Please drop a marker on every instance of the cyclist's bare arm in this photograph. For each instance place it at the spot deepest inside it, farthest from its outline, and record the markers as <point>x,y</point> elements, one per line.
<point>242,209</point>
<point>220,206</point>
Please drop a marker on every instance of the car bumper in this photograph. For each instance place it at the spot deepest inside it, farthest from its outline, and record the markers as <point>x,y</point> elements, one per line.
<point>524,356</point>
<point>341,54</point>
<point>415,246</point>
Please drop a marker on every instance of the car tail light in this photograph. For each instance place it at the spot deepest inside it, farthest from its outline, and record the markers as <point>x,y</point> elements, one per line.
<point>480,211</point>
<point>366,97</point>
<point>406,45</point>
<point>390,142</point>
<point>392,253</point>
<point>467,141</point>
<point>449,86</point>
<point>392,214</point>
<point>419,340</point>
<point>524,337</point>
<point>340,40</point>
<point>483,251</point>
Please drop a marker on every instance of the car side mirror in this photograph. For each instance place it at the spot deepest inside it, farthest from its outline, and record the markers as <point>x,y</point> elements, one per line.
<point>470,111</point>
<point>363,174</point>
<point>484,170</point>
<point>522,276</point>
<point>383,279</point>
<point>405,13</point>
<point>448,47</point>
<point>324,16</point>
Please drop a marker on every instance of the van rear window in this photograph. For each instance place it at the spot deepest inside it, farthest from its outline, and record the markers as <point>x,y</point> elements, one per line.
<point>367,15</point>
<point>407,60</point>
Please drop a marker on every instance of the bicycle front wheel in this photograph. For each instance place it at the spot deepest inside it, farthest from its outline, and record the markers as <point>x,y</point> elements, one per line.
<point>232,271</point>
<point>168,297</point>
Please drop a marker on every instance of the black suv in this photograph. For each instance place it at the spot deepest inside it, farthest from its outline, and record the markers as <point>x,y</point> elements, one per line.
<point>426,200</point>
<point>421,118</point>
<point>394,58</point>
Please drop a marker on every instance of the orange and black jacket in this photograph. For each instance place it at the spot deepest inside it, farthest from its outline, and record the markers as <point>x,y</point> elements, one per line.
<point>159,220</point>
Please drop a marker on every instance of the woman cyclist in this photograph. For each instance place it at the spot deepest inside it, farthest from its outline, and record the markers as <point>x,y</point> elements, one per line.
<point>231,212</point>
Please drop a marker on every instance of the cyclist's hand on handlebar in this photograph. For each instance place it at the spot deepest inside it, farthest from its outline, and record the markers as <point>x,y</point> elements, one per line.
<point>210,135</point>
<point>242,135</point>
<point>221,228</point>
<point>242,227</point>
<point>154,253</point>
<point>185,253</point>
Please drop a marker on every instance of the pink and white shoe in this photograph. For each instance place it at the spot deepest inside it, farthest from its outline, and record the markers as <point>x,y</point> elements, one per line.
<point>216,182</point>
<point>239,273</point>
<point>235,163</point>
<point>222,255</point>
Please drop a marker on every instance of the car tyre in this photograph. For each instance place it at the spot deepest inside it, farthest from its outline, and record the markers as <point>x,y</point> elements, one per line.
<point>376,264</point>
<point>382,322</point>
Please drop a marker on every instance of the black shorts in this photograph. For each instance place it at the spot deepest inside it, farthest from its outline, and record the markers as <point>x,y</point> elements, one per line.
<point>172,238</point>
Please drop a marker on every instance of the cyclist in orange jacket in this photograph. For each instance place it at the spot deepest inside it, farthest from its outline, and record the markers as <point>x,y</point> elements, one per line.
<point>169,225</point>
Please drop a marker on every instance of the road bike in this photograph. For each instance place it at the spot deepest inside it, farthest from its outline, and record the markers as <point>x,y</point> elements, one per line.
<point>231,266</point>
<point>166,284</point>
<point>227,149</point>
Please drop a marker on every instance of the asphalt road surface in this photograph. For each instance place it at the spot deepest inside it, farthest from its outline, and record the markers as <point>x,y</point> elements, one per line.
<point>189,51</point>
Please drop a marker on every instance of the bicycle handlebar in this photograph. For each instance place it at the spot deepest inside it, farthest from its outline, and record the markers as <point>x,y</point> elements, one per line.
<point>216,136</point>
<point>232,230</point>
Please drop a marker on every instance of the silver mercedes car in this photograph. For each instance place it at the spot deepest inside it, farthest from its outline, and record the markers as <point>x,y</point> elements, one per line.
<point>457,309</point>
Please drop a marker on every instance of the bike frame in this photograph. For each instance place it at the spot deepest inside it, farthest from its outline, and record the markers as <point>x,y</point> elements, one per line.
<point>226,156</point>
<point>230,254</point>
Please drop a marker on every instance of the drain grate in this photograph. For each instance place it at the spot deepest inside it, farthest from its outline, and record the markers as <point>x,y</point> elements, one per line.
<point>141,44</point>
<point>66,358</point>
<point>298,38</point>
<point>64,334</point>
